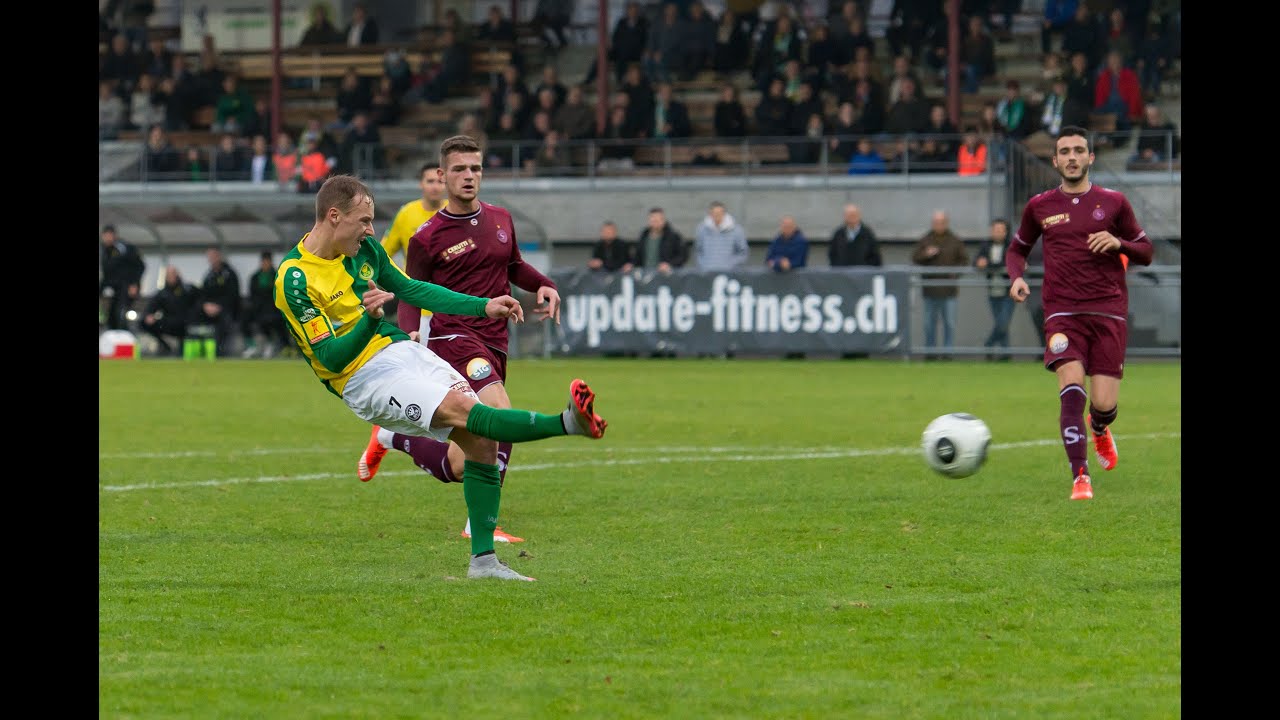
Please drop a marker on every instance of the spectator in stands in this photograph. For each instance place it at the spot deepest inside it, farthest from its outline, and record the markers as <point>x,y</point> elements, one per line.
<point>991,133</point>
<point>395,65</point>
<point>384,106</point>
<point>781,45</point>
<point>853,243</point>
<point>169,310</point>
<point>313,166</point>
<point>510,80</point>
<point>185,95</point>
<point>546,102</point>
<point>314,130</point>
<point>903,158</point>
<point>234,109</point>
<point>1117,92</point>
<point>977,56</point>
<point>1155,57</point>
<point>363,29</point>
<point>120,66</point>
<point>930,158</point>
<point>1084,35</point>
<point>773,112</point>
<point>937,41</point>
<point>640,94</point>
<point>496,28</point>
<point>804,106</point>
<point>361,152</point>
<point>910,114</point>
<point>670,118</point>
<point>321,31</point>
<point>823,57</point>
<point>435,81</point>
<point>146,104</point>
<point>113,114</point>
<point>121,276</point>
<point>230,164</point>
<point>195,166</point>
<point>1054,111</point>
<point>265,333</point>
<point>698,47</point>
<point>286,161</point>
<point>209,77</point>
<point>616,154</point>
<point>909,22</point>
<point>869,110</point>
<point>551,18</point>
<point>1119,39</point>
<point>806,149</point>
<point>1058,15</point>
<point>659,247</point>
<point>732,46</point>
<point>866,160</point>
<point>1159,140</point>
<point>219,301</point>
<point>498,151</point>
<point>161,161</point>
<point>1051,69</point>
<point>971,158</point>
<point>842,144</point>
<point>519,111</point>
<point>463,33</point>
<point>720,243</point>
<point>157,59</point>
<point>550,80</point>
<point>575,119</point>
<point>789,249</point>
<point>941,129</point>
<point>353,97</point>
<point>940,247</point>
<point>663,54</point>
<point>609,253</point>
<point>902,71</point>
<point>261,168</point>
<point>730,118</point>
<point>626,42</point>
<point>1011,112</point>
<point>539,126</point>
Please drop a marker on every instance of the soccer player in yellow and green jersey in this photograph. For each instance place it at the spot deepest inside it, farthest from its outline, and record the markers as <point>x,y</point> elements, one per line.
<point>331,288</point>
<point>413,214</point>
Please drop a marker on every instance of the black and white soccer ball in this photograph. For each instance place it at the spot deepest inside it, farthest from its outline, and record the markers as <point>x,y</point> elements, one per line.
<point>956,444</point>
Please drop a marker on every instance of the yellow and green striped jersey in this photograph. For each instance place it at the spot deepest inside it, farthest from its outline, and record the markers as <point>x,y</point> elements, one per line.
<point>320,301</point>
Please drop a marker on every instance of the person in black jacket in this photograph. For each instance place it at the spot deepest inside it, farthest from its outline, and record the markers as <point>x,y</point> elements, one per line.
<point>169,311</point>
<point>853,243</point>
<point>265,333</point>
<point>659,246</point>
<point>610,254</point>
<point>122,268</point>
<point>219,306</point>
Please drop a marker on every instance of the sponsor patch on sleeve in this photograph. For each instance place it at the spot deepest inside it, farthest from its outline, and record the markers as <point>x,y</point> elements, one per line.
<point>317,330</point>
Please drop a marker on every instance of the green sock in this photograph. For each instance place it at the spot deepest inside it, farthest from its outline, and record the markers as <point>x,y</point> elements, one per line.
<point>511,425</point>
<point>482,489</point>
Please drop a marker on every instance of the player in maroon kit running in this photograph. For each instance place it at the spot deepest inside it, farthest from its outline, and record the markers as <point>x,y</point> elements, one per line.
<point>1090,236</point>
<point>465,246</point>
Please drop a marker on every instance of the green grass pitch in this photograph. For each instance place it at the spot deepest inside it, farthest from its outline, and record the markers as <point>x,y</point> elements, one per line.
<point>751,539</point>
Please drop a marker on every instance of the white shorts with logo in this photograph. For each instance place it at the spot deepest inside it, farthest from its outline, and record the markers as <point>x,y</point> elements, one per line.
<point>401,388</point>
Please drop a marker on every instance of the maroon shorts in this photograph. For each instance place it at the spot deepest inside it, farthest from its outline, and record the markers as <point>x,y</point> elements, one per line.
<point>1097,341</point>
<point>480,364</point>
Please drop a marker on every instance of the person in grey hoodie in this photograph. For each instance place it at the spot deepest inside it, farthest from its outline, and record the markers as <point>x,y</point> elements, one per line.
<point>720,243</point>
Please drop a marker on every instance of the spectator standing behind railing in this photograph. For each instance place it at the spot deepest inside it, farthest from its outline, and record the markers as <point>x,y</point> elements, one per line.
<point>146,104</point>
<point>313,167</point>
<point>670,117</point>
<point>662,53</point>
<point>169,310</point>
<point>361,152</point>
<point>1159,140</point>
<point>1057,15</point>
<point>575,119</point>
<point>265,333</point>
<point>230,163</point>
<point>261,168</point>
<point>112,112</point>
<point>866,159</point>
<point>219,305</point>
<point>234,109</point>
<point>854,242</point>
<point>551,17</point>
<point>353,97</point>
<point>733,44</point>
<point>720,243</point>
<point>1117,91</point>
<point>789,249</point>
<point>286,160</point>
<point>122,267</point>
<point>321,31</point>
<point>610,254</point>
<point>940,247</point>
<point>660,246</point>
<point>971,158</point>
<point>363,28</point>
<point>991,259</point>
<point>161,160</point>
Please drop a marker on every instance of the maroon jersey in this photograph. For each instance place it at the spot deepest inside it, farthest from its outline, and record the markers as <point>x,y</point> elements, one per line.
<point>474,254</point>
<point>1076,279</point>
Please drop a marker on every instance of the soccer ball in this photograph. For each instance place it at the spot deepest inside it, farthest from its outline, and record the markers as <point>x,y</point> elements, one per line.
<point>955,444</point>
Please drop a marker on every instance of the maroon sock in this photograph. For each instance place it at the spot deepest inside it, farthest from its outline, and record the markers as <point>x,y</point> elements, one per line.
<point>429,454</point>
<point>504,457</point>
<point>1071,419</point>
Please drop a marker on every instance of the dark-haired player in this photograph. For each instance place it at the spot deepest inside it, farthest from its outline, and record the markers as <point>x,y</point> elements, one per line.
<point>1090,236</point>
<point>468,246</point>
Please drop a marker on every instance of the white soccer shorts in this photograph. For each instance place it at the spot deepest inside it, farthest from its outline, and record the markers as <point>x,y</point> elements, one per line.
<point>401,388</point>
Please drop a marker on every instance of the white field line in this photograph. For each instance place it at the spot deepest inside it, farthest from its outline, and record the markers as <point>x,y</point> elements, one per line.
<point>716,457</point>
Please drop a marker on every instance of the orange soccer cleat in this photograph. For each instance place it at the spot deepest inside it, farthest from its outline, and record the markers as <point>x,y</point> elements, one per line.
<point>372,457</point>
<point>498,536</point>
<point>1082,488</point>
<point>1104,446</point>
<point>582,404</point>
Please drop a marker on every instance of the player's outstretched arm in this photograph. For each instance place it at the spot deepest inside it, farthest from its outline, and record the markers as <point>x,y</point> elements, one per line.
<point>504,307</point>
